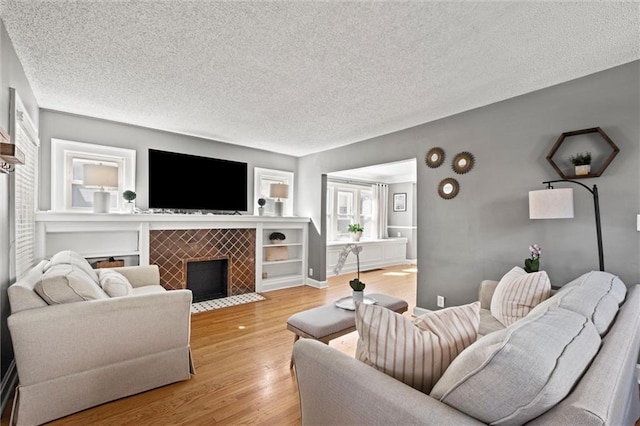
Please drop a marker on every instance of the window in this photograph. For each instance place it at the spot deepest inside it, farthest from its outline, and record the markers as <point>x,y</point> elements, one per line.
<point>263,178</point>
<point>347,204</point>
<point>25,136</point>
<point>67,162</point>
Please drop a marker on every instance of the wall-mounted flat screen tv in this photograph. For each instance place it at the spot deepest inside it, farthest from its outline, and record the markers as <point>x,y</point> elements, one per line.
<point>191,182</point>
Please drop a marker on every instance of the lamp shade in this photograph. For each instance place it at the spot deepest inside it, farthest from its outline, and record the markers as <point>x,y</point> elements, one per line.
<point>100,175</point>
<point>551,204</point>
<point>279,190</point>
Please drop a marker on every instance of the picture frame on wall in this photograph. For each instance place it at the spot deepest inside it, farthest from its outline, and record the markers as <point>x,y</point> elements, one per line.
<point>400,202</point>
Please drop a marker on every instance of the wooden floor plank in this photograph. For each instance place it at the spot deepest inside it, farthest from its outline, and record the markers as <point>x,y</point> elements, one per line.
<point>241,355</point>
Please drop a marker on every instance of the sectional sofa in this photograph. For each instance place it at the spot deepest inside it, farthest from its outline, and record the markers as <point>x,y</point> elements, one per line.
<point>570,361</point>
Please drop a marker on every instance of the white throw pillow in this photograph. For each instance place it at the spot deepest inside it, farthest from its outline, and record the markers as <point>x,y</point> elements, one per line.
<point>517,293</point>
<point>69,257</point>
<point>114,283</point>
<point>417,353</point>
<point>66,283</point>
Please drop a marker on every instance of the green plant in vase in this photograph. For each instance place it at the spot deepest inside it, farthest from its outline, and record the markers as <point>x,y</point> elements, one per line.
<point>582,163</point>
<point>129,196</point>
<point>356,231</point>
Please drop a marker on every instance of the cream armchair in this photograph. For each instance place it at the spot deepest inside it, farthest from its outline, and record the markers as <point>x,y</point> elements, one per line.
<point>74,356</point>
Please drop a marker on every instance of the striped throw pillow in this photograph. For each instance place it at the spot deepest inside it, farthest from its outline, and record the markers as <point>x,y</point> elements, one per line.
<point>416,353</point>
<point>517,293</point>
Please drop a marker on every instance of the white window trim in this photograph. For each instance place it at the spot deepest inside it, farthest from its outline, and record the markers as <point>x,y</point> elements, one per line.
<point>24,134</point>
<point>332,217</point>
<point>278,175</point>
<point>61,153</point>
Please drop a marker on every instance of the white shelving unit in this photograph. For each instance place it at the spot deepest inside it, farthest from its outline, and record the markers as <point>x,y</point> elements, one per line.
<point>126,236</point>
<point>282,264</point>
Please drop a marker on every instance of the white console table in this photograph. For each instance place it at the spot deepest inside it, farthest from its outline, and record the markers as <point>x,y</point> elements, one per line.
<point>127,235</point>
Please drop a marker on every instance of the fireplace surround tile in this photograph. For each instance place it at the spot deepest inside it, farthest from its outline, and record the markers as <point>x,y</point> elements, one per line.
<point>169,249</point>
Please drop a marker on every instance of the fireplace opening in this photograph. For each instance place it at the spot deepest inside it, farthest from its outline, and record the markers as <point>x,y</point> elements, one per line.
<point>207,279</point>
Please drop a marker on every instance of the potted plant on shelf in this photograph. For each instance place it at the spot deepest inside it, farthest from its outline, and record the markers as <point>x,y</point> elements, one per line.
<point>582,163</point>
<point>277,237</point>
<point>261,203</point>
<point>129,196</point>
<point>356,231</point>
<point>357,285</point>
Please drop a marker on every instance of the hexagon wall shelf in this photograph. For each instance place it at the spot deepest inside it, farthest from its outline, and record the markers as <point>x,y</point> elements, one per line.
<point>604,138</point>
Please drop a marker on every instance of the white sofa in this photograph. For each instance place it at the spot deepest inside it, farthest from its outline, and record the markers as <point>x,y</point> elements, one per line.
<point>337,389</point>
<point>73,356</point>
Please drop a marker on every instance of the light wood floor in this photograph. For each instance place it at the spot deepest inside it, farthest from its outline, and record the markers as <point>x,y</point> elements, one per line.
<point>241,356</point>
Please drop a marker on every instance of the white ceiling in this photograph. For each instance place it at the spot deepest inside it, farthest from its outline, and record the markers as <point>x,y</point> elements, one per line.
<point>300,77</point>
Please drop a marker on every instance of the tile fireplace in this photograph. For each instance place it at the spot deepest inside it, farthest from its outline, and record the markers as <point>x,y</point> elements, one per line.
<point>172,249</point>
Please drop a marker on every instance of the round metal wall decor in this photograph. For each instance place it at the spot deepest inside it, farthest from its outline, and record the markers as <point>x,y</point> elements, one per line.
<point>463,162</point>
<point>435,157</point>
<point>448,188</point>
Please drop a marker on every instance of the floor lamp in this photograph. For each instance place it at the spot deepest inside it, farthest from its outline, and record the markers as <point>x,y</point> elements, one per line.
<point>553,203</point>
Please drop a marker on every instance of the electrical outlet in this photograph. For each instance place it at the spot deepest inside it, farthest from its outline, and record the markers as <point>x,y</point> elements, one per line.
<point>440,302</point>
<point>310,272</point>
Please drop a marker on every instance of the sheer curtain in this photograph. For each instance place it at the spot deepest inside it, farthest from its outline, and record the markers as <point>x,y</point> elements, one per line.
<point>380,209</point>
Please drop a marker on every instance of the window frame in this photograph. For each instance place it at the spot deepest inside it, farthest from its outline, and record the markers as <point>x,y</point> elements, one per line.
<point>63,152</point>
<point>333,190</point>
<point>277,176</point>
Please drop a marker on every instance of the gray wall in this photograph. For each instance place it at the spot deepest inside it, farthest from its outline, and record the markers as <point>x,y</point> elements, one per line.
<point>11,75</point>
<point>485,230</point>
<point>58,125</point>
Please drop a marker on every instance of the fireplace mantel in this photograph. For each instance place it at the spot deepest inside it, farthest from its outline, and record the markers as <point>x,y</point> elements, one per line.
<point>98,236</point>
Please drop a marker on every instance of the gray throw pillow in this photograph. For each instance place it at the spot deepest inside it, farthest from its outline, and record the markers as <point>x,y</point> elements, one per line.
<point>514,375</point>
<point>603,281</point>
<point>596,295</point>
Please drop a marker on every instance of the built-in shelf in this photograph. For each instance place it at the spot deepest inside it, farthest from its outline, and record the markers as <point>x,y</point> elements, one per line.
<point>128,235</point>
<point>283,245</point>
<point>280,262</point>
<point>119,253</point>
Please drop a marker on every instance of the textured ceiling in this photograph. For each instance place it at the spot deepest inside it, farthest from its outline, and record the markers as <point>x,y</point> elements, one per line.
<point>300,77</point>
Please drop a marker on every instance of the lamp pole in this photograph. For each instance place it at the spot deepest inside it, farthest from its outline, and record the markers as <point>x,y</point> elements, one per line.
<point>596,206</point>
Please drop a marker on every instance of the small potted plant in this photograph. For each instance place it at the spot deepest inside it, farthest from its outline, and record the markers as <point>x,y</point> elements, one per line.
<point>261,203</point>
<point>532,264</point>
<point>356,231</point>
<point>277,237</point>
<point>582,163</point>
<point>129,196</point>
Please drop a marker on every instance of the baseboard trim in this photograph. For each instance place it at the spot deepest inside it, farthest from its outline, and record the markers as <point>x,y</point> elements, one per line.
<point>420,311</point>
<point>9,383</point>
<point>317,284</point>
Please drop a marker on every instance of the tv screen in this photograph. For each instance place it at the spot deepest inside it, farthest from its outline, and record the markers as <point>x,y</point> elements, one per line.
<point>191,182</point>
